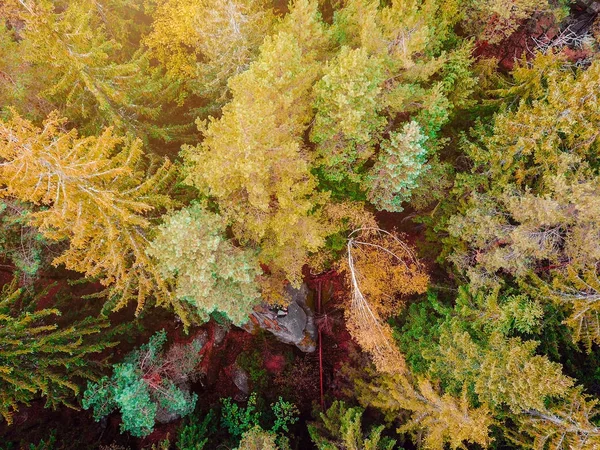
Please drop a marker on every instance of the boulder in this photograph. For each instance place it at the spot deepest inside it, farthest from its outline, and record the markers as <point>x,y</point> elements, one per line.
<point>294,325</point>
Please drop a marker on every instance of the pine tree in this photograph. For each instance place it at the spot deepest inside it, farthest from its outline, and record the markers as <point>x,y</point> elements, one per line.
<point>39,358</point>
<point>529,207</point>
<point>505,371</point>
<point>95,195</point>
<point>376,103</point>
<point>347,124</point>
<point>399,165</point>
<point>340,427</point>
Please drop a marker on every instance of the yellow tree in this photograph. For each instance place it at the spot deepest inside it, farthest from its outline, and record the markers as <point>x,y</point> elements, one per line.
<point>438,419</point>
<point>89,76</point>
<point>566,425</point>
<point>203,43</point>
<point>95,194</point>
<point>251,160</point>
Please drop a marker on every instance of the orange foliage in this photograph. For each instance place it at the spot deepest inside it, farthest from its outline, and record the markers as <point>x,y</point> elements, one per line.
<point>381,270</point>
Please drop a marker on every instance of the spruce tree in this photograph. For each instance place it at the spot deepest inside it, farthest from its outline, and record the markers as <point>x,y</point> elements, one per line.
<point>39,357</point>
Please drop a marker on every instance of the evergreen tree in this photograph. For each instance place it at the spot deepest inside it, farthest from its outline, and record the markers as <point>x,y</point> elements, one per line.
<point>149,382</point>
<point>340,427</point>
<point>40,358</point>
<point>210,273</point>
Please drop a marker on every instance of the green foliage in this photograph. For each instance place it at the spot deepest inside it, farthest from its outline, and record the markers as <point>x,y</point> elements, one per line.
<point>285,415</point>
<point>400,164</point>
<point>210,273</point>
<point>238,420</point>
<point>340,427</point>
<point>252,363</point>
<point>20,243</point>
<point>147,382</point>
<point>245,423</point>
<point>419,332</point>
<point>86,71</point>
<point>194,434</point>
<point>39,358</point>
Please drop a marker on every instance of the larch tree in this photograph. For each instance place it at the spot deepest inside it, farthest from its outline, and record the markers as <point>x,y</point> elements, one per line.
<point>504,371</point>
<point>530,205</point>
<point>570,424</point>
<point>88,75</point>
<point>97,195</point>
<point>40,359</point>
<point>209,272</point>
<point>202,44</point>
<point>252,160</point>
<point>438,419</point>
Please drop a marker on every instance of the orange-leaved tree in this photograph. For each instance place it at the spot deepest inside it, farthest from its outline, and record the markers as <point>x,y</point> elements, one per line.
<point>380,269</point>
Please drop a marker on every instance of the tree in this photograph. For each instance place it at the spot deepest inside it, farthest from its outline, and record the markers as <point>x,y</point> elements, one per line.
<point>379,269</point>
<point>96,194</point>
<point>340,427</point>
<point>210,273</point>
<point>529,208</point>
<point>505,371</point>
<point>39,358</point>
<point>251,160</point>
<point>148,383</point>
<point>89,76</point>
<point>399,165</point>
<point>438,419</point>
<point>564,425</point>
<point>203,44</point>
<point>376,104</point>
<point>579,290</point>
<point>347,124</point>
<point>258,439</point>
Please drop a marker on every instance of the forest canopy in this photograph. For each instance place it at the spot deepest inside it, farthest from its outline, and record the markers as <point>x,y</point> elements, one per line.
<point>284,225</point>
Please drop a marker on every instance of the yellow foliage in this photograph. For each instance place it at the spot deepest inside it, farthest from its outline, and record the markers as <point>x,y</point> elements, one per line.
<point>252,161</point>
<point>94,195</point>
<point>437,419</point>
<point>203,43</point>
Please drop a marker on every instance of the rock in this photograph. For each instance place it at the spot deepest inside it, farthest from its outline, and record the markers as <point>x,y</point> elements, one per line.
<point>294,323</point>
<point>296,326</point>
<point>219,335</point>
<point>240,379</point>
